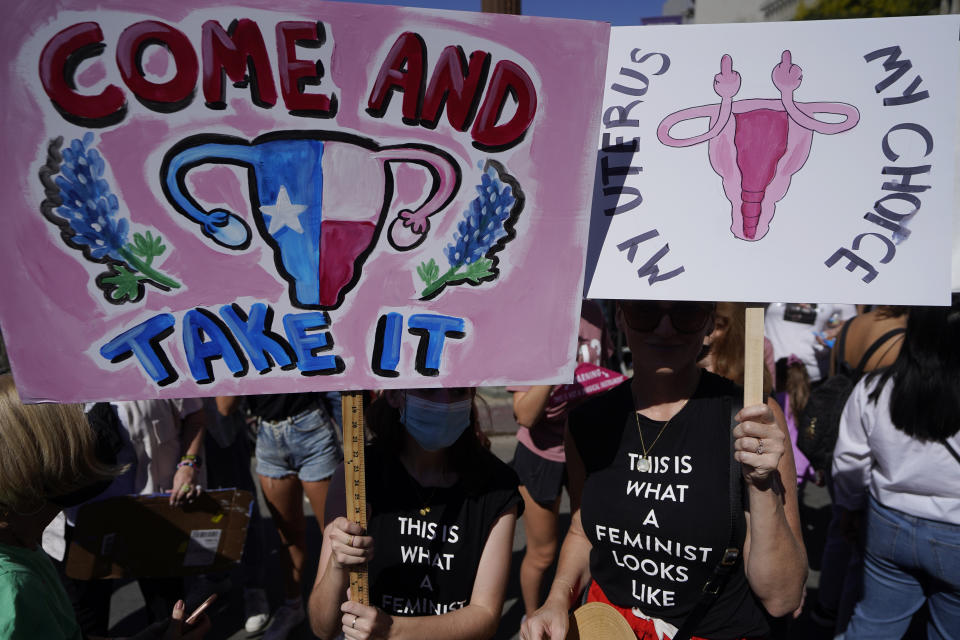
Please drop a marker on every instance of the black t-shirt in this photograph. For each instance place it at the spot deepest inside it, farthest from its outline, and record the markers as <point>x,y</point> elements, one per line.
<point>657,535</point>
<point>279,406</point>
<point>429,540</point>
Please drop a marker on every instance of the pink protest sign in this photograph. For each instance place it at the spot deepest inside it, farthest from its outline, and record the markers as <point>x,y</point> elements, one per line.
<point>589,380</point>
<point>282,196</point>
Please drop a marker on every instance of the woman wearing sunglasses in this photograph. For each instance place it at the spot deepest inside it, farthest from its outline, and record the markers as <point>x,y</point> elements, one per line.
<point>680,538</point>
<point>441,515</point>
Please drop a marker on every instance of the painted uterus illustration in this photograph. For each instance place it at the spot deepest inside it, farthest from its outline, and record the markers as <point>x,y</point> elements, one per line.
<point>756,145</point>
<point>319,200</point>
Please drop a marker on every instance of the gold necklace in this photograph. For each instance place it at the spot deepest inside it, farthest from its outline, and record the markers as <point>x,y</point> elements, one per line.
<point>426,508</point>
<point>644,464</point>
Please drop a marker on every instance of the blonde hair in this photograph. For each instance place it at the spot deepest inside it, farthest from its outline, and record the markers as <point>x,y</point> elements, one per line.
<point>46,450</point>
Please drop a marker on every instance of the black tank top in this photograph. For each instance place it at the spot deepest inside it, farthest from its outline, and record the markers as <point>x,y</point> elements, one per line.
<point>658,534</point>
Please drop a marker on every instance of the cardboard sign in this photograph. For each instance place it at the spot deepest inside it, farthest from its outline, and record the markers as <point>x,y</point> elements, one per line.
<point>778,162</point>
<point>589,380</point>
<point>294,195</point>
<point>144,537</point>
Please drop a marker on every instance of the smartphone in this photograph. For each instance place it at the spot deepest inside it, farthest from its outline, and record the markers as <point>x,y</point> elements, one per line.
<point>199,610</point>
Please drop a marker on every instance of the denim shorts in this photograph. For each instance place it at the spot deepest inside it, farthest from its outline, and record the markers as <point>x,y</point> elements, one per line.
<point>305,444</point>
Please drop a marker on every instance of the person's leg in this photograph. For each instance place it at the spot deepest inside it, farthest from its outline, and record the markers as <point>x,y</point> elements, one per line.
<point>284,498</point>
<point>835,564</point>
<point>253,551</point>
<point>317,495</point>
<point>891,590</point>
<point>939,551</point>
<point>541,485</point>
<point>277,469</point>
<point>852,588</point>
<point>540,529</point>
<point>318,452</point>
<point>944,622</point>
<point>256,606</point>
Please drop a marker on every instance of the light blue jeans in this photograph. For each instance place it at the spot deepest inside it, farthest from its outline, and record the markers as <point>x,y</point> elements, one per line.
<point>908,560</point>
<point>305,444</point>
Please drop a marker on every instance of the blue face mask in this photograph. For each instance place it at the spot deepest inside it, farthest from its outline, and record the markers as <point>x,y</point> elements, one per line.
<point>435,425</point>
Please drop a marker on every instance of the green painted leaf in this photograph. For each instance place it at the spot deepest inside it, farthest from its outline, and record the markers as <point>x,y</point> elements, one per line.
<point>429,271</point>
<point>478,270</point>
<point>156,244</point>
<point>124,285</point>
<point>140,246</point>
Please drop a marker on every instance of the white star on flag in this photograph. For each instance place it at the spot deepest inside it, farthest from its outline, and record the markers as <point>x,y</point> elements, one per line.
<point>284,213</point>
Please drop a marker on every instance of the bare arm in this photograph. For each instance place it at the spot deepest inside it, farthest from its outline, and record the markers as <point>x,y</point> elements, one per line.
<point>775,561</point>
<point>529,406</point>
<point>192,429</point>
<point>573,570</point>
<point>191,436</point>
<point>336,559</point>
<point>226,404</point>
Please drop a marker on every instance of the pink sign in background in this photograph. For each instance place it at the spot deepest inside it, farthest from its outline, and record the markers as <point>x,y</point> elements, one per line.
<point>274,197</point>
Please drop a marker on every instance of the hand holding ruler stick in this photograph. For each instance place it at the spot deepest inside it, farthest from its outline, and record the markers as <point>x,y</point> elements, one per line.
<point>355,481</point>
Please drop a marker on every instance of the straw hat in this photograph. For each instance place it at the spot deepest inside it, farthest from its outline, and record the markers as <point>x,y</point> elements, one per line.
<point>598,621</point>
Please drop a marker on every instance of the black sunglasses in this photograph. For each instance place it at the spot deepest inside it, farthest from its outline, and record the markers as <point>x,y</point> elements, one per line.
<point>686,317</point>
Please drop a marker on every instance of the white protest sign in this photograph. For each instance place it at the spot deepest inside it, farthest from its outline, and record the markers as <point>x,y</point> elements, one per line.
<point>786,161</point>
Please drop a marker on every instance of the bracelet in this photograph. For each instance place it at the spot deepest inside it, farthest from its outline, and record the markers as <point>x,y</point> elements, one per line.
<point>187,463</point>
<point>193,458</point>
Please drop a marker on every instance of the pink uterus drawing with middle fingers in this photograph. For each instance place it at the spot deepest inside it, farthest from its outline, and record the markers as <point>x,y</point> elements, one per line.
<point>758,149</point>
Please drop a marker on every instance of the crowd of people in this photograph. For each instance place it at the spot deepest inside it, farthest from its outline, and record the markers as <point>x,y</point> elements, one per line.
<point>684,506</point>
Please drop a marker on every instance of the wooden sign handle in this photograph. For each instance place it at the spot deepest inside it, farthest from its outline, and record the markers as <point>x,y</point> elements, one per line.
<point>351,402</point>
<point>753,356</point>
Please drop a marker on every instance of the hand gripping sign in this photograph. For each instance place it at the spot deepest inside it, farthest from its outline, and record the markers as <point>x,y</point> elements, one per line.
<point>759,148</point>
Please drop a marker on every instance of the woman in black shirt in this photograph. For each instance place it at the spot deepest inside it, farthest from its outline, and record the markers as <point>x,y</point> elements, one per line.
<point>653,459</point>
<point>442,511</point>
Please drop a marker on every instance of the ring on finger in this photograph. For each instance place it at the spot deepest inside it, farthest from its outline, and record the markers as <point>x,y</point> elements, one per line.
<point>760,446</point>
<point>353,625</point>
<point>352,538</point>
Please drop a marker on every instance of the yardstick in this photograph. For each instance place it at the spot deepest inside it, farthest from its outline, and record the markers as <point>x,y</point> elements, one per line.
<point>753,356</point>
<point>355,481</point>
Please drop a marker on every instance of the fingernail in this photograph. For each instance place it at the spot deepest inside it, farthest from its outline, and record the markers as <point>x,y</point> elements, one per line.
<point>179,605</point>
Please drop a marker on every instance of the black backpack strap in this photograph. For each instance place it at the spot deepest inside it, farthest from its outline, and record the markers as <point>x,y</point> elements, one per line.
<point>731,554</point>
<point>952,451</point>
<point>879,342</point>
<point>840,347</point>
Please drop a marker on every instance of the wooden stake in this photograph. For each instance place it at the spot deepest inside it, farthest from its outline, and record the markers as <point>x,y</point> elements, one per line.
<point>351,402</point>
<point>753,356</point>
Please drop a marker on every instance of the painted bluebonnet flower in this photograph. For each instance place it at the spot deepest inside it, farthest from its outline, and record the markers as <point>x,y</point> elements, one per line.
<point>88,204</point>
<point>80,202</point>
<point>483,221</point>
<point>479,235</point>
